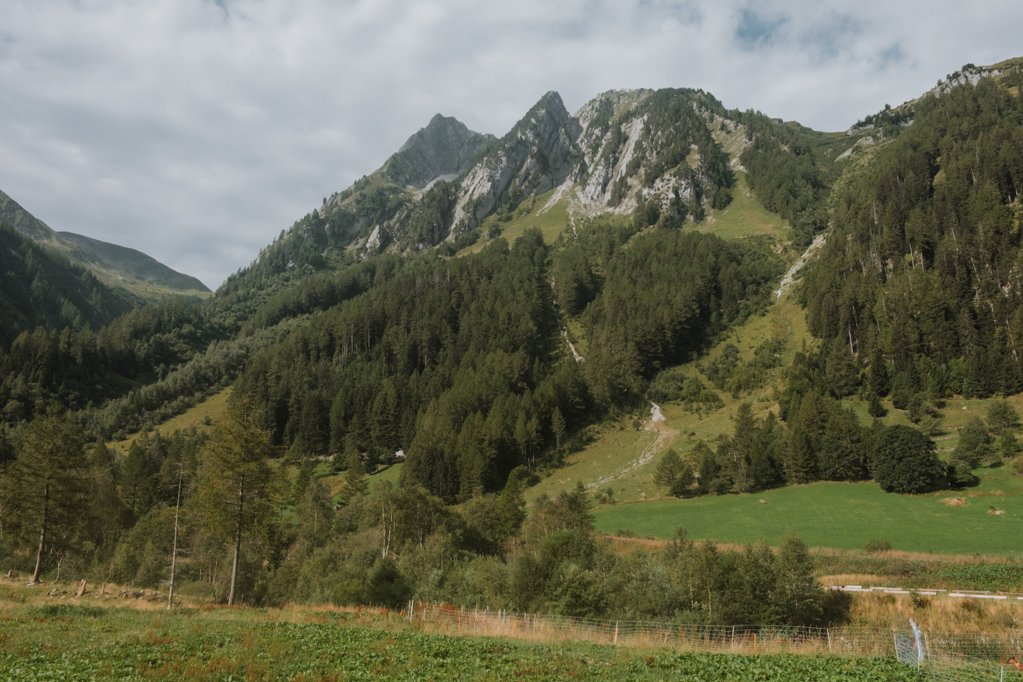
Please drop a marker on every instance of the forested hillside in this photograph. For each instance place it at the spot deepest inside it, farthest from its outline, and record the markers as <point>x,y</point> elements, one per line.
<point>42,289</point>
<point>920,280</point>
<point>369,328</point>
<point>460,361</point>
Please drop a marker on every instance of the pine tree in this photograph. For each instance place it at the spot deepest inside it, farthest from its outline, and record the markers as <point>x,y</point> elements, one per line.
<point>974,443</point>
<point>557,427</point>
<point>44,495</point>
<point>235,481</point>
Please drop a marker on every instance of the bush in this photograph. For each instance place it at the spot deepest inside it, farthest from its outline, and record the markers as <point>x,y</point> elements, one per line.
<point>905,462</point>
<point>877,545</point>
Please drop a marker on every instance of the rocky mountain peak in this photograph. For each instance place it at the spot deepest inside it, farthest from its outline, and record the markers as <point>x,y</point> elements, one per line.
<point>445,147</point>
<point>549,113</point>
<point>537,155</point>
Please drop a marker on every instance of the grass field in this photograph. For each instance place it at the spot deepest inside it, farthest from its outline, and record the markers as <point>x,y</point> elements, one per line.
<point>842,515</point>
<point>49,640</point>
<point>336,482</point>
<point>983,520</point>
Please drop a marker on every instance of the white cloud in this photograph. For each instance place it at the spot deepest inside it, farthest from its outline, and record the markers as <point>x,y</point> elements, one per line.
<point>196,130</point>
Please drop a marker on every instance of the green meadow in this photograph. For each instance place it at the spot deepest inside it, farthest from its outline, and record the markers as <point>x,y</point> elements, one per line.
<point>981,520</point>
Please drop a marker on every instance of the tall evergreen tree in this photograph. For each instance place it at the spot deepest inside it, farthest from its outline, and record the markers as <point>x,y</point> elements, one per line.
<point>44,495</point>
<point>235,481</point>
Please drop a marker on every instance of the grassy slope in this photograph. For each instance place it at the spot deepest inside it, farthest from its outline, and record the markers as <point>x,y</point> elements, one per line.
<point>744,216</point>
<point>530,213</point>
<point>610,459</point>
<point>201,416</point>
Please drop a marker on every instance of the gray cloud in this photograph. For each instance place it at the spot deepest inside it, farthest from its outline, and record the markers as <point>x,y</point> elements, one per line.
<point>196,130</point>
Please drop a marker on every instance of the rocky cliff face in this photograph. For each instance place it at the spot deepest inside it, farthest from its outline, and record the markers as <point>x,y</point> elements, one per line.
<point>445,147</point>
<point>622,149</point>
<point>612,129</point>
<point>539,153</point>
<point>649,146</point>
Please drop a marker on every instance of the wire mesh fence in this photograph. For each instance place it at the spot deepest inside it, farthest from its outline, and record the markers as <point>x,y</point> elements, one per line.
<point>958,656</point>
<point>939,656</point>
<point>731,638</point>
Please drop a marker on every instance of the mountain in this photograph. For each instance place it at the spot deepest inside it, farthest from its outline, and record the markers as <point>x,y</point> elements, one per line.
<point>621,150</point>
<point>500,308</point>
<point>41,288</point>
<point>127,267</point>
<point>440,151</point>
<point>116,266</point>
<point>614,186</point>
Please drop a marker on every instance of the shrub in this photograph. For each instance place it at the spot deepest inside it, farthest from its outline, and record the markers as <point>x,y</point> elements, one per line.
<point>877,545</point>
<point>905,462</point>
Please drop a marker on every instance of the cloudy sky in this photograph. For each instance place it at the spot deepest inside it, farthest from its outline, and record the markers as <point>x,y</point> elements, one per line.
<point>196,130</point>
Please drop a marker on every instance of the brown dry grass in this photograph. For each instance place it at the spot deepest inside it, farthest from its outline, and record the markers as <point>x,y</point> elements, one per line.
<point>938,614</point>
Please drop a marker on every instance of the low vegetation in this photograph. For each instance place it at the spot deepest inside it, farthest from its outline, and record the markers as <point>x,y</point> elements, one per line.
<point>51,639</point>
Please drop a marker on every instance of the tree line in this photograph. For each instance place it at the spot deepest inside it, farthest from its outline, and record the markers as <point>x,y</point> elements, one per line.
<point>223,517</point>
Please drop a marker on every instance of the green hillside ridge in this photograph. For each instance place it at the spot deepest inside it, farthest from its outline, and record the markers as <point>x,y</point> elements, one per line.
<point>124,263</point>
<point>43,290</point>
<point>117,267</point>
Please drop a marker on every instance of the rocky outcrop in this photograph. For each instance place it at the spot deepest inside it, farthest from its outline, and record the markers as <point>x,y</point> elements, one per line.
<point>444,148</point>
<point>539,154</point>
<point>611,130</point>
<point>649,146</point>
<point>623,148</point>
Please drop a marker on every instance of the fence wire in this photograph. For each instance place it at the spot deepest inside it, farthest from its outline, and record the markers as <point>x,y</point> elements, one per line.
<point>732,638</point>
<point>939,656</point>
<point>957,656</point>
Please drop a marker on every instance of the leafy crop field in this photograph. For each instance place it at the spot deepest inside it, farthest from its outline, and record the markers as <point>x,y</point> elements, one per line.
<point>83,643</point>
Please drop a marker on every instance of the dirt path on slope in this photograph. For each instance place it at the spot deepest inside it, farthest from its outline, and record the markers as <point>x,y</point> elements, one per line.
<point>664,436</point>
<point>790,276</point>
